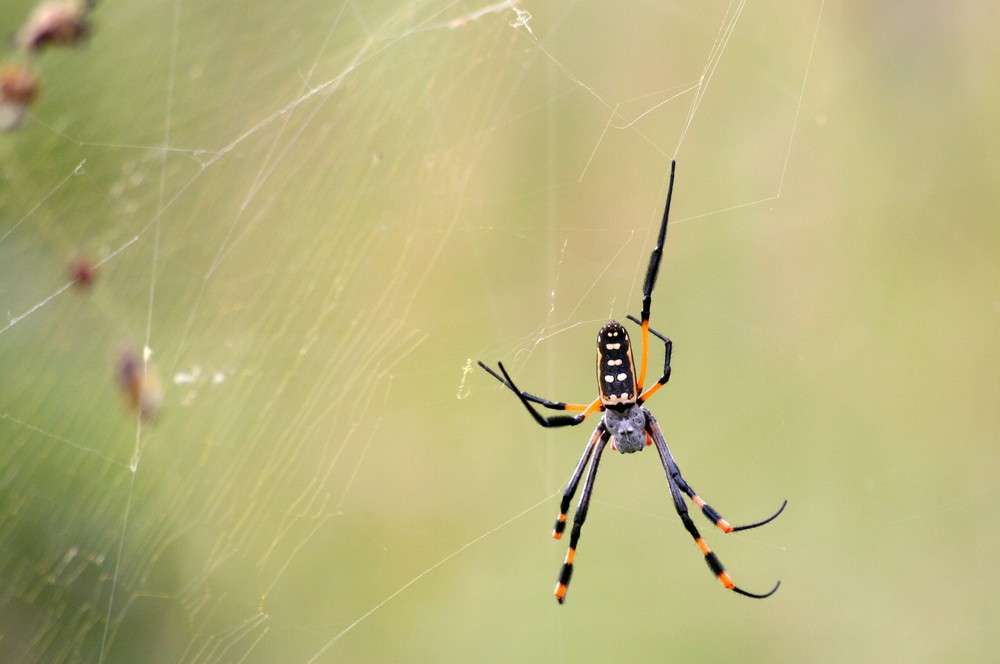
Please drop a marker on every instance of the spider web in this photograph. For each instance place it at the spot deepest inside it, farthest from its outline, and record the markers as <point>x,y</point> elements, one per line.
<point>308,221</point>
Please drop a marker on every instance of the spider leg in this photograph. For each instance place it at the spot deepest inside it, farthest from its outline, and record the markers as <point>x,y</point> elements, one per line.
<point>707,510</point>
<point>574,480</point>
<point>552,405</point>
<point>669,349</point>
<point>581,515</point>
<point>651,273</point>
<point>658,335</point>
<point>714,516</point>
<point>676,488</point>
<point>555,420</point>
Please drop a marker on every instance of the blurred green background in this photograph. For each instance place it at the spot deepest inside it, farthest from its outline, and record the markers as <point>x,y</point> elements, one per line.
<point>318,215</point>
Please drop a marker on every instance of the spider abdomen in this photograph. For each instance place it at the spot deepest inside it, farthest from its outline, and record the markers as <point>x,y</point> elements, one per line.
<point>615,367</point>
<point>627,428</point>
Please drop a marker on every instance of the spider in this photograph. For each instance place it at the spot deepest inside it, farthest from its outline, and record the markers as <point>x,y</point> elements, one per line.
<point>628,426</point>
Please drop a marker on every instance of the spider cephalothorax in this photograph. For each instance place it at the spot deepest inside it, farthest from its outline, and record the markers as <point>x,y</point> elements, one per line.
<point>627,428</point>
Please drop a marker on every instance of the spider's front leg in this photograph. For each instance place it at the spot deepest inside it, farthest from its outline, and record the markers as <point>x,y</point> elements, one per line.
<point>599,441</point>
<point>574,480</point>
<point>678,487</point>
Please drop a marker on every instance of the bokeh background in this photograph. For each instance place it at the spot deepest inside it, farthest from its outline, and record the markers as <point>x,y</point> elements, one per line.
<point>316,216</point>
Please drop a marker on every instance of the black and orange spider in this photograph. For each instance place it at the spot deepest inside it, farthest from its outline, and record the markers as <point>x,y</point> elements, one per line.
<point>628,426</point>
